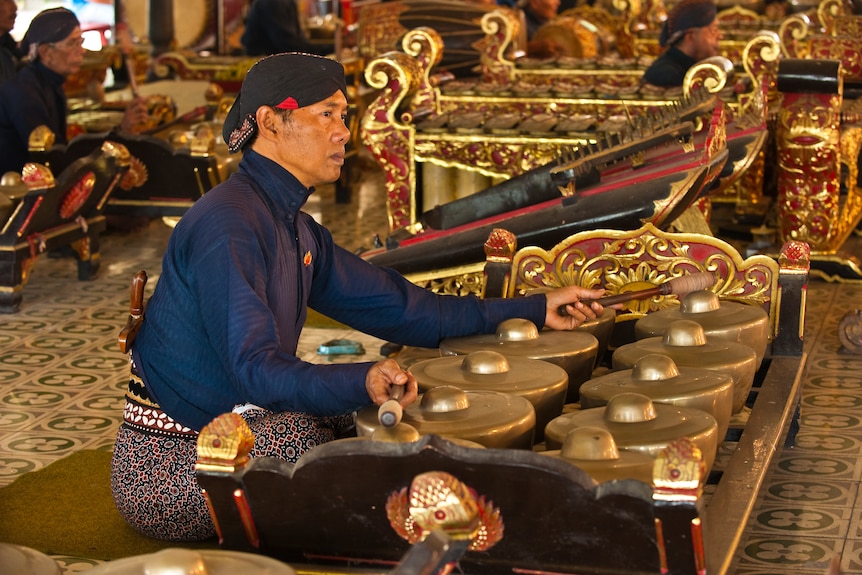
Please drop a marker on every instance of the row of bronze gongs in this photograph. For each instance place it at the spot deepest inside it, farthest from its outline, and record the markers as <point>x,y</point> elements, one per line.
<point>691,368</point>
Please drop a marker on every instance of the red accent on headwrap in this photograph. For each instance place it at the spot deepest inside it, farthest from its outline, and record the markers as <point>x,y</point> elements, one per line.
<point>288,104</point>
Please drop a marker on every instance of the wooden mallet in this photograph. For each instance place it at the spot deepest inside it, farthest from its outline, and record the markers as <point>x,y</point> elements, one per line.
<point>677,286</point>
<point>390,412</point>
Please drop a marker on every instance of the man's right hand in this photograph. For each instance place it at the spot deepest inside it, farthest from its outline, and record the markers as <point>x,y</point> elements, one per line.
<point>383,375</point>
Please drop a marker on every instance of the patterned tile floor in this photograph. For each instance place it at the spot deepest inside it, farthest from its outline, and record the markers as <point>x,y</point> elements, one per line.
<point>62,379</point>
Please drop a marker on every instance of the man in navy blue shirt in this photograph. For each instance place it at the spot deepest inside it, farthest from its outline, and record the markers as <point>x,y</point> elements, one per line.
<point>241,269</point>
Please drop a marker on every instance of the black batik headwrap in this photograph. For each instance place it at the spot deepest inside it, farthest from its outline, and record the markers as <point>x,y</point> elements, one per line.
<point>684,16</point>
<point>284,81</point>
<point>52,25</point>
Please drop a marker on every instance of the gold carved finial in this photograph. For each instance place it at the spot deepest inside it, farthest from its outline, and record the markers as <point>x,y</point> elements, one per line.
<point>224,444</point>
<point>37,176</point>
<point>41,138</point>
<point>438,500</point>
<point>678,471</point>
<point>500,245</point>
<point>795,255</point>
<point>117,151</point>
<point>203,141</point>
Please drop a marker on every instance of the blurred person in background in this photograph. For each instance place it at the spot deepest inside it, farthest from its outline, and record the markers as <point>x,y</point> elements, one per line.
<point>274,26</point>
<point>690,34</point>
<point>54,50</point>
<point>10,55</point>
<point>537,13</point>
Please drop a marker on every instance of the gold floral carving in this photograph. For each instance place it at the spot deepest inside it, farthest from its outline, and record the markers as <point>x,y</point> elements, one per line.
<point>41,138</point>
<point>619,261</point>
<point>807,131</point>
<point>118,151</point>
<point>426,46</point>
<point>37,176</point>
<point>136,176</point>
<point>438,500</point>
<point>793,33</point>
<point>760,60</point>
<point>500,245</point>
<point>678,472</point>
<point>828,11</point>
<point>396,75</point>
<point>458,282</point>
<point>710,74</point>
<point>224,444</point>
<point>500,28</point>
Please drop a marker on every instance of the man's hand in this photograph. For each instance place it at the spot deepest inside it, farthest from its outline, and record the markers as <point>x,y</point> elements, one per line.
<point>577,312</point>
<point>383,375</point>
<point>135,116</point>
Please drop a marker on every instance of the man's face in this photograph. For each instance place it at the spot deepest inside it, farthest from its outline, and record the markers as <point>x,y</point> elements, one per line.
<point>312,145</point>
<point>546,9</point>
<point>704,41</point>
<point>8,11</point>
<point>66,56</point>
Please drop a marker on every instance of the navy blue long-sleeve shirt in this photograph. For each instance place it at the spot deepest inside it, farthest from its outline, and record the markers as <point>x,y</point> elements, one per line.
<point>33,97</point>
<point>241,266</point>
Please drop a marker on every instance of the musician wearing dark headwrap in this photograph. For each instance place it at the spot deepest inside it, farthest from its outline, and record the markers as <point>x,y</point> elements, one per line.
<point>690,34</point>
<point>241,269</point>
<point>53,45</point>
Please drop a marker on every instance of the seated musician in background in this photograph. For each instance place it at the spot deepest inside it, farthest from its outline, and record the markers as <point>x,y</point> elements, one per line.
<point>10,55</point>
<point>536,14</point>
<point>274,26</point>
<point>34,96</point>
<point>241,269</point>
<point>690,34</point>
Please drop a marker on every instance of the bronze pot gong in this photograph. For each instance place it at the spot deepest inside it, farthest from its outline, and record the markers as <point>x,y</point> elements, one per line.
<point>659,378</point>
<point>490,418</point>
<point>540,382</point>
<point>685,342</point>
<point>639,424</point>
<point>594,450</point>
<point>574,351</point>
<point>721,321</point>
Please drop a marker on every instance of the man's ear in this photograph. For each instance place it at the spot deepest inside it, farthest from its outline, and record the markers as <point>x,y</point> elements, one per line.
<point>267,122</point>
<point>41,50</point>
